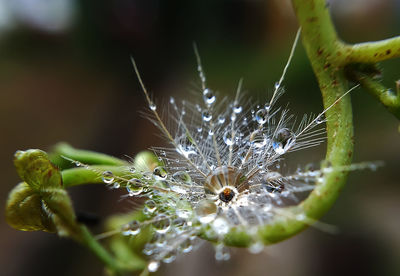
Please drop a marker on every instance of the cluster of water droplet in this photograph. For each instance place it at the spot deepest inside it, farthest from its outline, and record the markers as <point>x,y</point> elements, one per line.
<point>222,172</point>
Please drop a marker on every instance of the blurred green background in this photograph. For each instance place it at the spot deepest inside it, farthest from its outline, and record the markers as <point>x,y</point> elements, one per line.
<point>65,75</point>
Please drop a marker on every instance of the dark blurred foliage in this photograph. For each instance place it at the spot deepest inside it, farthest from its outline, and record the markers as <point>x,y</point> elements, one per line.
<point>75,83</point>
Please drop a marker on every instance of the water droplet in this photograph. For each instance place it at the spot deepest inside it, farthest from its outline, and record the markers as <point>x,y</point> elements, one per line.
<point>271,176</point>
<point>284,139</point>
<point>116,185</point>
<point>256,247</point>
<point>206,211</point>
<point>210,132</point>
<point>153,266</point>
<point>228,139</point>
<point>301,217</point>
<point>108,177</point>
<point>206,115</point>
<point>152,106</point>
<point>221,253</point>
<point>208,96</point>
<point>186,150</point>
<point>199,129</point>
<point>134,187</point>
<point>277,85</point>
<point>132,228</point>
<point>198,107</point>
<point>160,173</point>
<point>221,119</point>
<point>184,214</point>
<point>170,256</point>
<point>178,189</point>
<point>320,119</point>
<point>237,109</point>
<point>257,139</point>
<point>220,226</point>
<point>261,116</point>
<point>161,224</point>
<point>186,246</point>
<point>390,92</point>
<point>171,100</point>
<point>180,225</point>
<point>182,177</point>
<point>272,182</point>
<point>148,249</point>
<point>267,107</point>
<point>149,207</point>
<point>159,240</point>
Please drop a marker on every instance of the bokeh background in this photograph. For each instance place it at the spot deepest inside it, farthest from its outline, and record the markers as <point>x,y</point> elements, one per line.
<point>65,75</point>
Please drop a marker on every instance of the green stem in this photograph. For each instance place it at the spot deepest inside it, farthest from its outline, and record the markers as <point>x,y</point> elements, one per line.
<point>326,55</point>
<point>96,248</point>
<point>372,52</point>
<point>387,97</point>
<point>84,156</point>
<point>81,176</point>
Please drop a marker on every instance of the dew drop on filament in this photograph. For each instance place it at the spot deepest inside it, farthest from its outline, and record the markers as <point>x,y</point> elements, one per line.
<point>237,109</point>
<point>208,96</point>
<point>153,266</point>
<point>206,211</point>
<point>108,177</point>
<point>258,140</point>
<point>206,115</point>
<point>221,119</point>
<point>161,224</point>
<point>320,119</point>
<point>149,207</point>
<point>170,257</point>
<point>261,116</point>
<point>228,139</point>
<point>220,226</point>
<point>152,107</point>
<point>283,140</point>
<point>134,187</point>
<point>132,228</point>
<point>182,177</point>
<point>160,173</point>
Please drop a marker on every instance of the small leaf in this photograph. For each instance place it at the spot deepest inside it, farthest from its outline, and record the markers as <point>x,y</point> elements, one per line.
<point>25,210</point>
<point>34,167</point>
<point>40,203</point>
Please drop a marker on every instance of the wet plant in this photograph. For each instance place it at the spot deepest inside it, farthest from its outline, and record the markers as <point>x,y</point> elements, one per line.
<point>220,178</point>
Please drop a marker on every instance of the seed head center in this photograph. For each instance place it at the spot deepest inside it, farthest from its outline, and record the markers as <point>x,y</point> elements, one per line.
<point>226,195</point>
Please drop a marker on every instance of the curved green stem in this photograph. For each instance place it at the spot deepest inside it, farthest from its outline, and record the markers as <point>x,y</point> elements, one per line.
<point>387,97</point>
<point>81,176</point>
<point>372,52</point>
<point>84,156</point>
<point>97,249</point>
<point>325,53</point>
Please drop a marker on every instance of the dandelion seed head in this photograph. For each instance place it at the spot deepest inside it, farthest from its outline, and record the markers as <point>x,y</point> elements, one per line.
<point>221,171</point>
